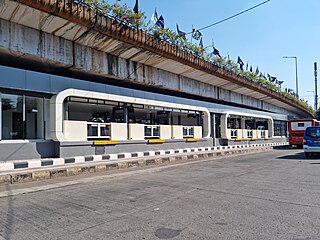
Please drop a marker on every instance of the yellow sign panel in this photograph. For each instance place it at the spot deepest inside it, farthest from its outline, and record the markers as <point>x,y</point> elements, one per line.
<point>105,142</point>
<point>192,140</point>
<point>156,141</point>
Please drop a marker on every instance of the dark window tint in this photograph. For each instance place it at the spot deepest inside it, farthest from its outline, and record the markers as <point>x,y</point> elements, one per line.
<point>313,132</point>
<point>12,116</point>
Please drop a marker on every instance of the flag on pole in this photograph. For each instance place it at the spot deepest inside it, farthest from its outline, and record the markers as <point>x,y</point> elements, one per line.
<point>160,22</point>
<point>136,7</point>
<point>216,52</point>
<point>154,17</point>
<point>240,62</point>
<point>257,70</point>
<point>181,33</point>
<point>201,43</point>
<point>273,79</point>
<point>269,77</point>
<point>196,34</point>
<point>263,76</point>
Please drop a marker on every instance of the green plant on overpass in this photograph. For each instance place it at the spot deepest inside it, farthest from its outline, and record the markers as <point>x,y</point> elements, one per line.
<point>124,15</point>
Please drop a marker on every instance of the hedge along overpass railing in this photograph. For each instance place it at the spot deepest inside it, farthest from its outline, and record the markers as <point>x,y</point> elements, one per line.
<point>114,28</point>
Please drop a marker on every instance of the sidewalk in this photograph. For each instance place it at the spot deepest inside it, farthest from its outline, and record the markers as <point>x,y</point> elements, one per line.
<point>34,170</point>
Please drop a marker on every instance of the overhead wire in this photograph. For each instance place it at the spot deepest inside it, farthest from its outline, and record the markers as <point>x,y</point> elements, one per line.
<point>233,16</point>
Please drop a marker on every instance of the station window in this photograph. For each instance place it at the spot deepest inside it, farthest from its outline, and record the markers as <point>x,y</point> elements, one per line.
<point>234,122</point>
<point>91,110</point>
<point>280,128</point>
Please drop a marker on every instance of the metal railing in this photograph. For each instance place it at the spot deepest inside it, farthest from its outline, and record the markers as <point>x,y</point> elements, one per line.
<point>98,130</point>
<point>188,132</point>
<point>151,131</point>
<point>234,133</point>
<point>250,134</point>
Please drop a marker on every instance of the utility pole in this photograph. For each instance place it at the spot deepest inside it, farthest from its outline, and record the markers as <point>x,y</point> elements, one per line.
<point>315,87</point>
<point>296,63</point>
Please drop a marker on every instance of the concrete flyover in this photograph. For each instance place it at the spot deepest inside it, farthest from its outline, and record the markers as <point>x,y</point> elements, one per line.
<point>163,96</point>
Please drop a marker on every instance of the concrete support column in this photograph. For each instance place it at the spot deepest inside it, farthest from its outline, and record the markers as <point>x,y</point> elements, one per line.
<point>224,126</point>
<point>243,123</point>
<point>125,113</point>
<point>270,128</point>
<point>213,129</point>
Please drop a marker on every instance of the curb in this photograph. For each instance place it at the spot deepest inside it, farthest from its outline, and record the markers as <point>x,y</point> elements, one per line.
<point>53,162</point>
<point>28,175</point>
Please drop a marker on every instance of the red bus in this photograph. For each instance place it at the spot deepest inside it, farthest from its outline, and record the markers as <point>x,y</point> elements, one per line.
<point>297,128</point>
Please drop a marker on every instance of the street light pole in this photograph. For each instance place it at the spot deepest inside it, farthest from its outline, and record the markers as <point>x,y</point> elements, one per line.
<point>316,86</point>
<point>296,63</point>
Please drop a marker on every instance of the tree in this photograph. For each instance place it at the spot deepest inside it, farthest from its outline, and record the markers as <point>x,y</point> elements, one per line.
<point>318,114</point>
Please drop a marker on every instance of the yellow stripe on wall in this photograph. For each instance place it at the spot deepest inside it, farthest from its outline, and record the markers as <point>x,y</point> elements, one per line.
<point>192,140</point>
<point>105,142</point>
<point>156,141</point>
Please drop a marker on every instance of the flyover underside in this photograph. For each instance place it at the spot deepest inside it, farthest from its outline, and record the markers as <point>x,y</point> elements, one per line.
<point>60,55</point>
<point>14,60</point>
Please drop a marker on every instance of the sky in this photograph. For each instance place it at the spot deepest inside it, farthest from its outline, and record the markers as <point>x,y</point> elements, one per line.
<point>260,37</point>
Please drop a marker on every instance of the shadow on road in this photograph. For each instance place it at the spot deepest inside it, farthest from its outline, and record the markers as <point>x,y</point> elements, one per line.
<point>285,148</point>
<point>300,156</point>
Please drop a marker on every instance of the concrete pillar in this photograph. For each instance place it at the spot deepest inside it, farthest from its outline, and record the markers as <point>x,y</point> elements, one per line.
<point>125,113</point>
<point>243,123</point>
<point>224,121</point>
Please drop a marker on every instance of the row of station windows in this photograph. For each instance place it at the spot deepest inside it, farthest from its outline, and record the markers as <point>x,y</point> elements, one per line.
<point>249,123</point>
<point>28,117</point>
<point>92,110</point>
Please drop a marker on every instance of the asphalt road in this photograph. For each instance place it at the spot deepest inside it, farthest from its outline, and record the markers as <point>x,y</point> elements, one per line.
<point>274,195</point>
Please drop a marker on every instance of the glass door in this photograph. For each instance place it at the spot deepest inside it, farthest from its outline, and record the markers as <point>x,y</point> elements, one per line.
<point>12,116</point>
<point>34,118</point>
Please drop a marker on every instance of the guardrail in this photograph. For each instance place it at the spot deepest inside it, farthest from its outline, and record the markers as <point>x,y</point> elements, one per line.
<point>250,134</point>
<point>188,132</point>
<point>152,131</point>
<point>247,134</point>
<point>99,130</point>
<point>234,133</point>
